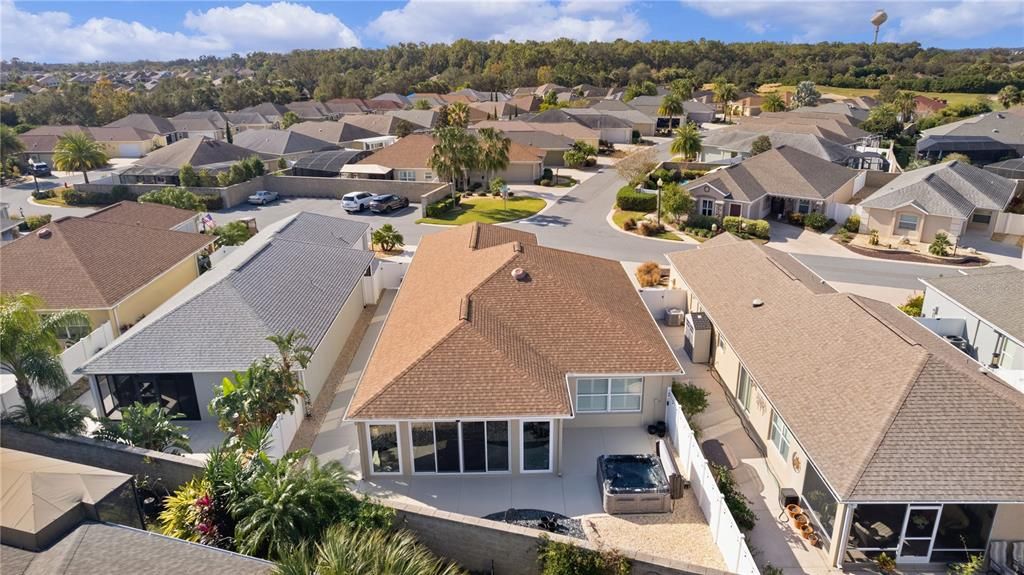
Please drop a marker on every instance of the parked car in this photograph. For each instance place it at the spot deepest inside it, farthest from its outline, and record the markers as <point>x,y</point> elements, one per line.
<point>387,202</point>
<point>356,201</point>
<point>39,169</point>
<point>262,197</point>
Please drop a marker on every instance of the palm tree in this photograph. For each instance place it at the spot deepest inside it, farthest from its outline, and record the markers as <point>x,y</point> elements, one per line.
<point>387,237</point>
<point>458,114</point>
<point>56,416</point>
<point>671,106</point>
<point>146,425</point>
<point>905,104</point>
<point>76,152</point>
<point>289,502</point>
<point>725,92</point>
<point>10,146</point>
<point>494,147</point>
<point>686,142</point>
<point>366,552</point>
<point>453,155</point>
<point>773,102</point>
<point>30,347</point>
<point>1010,95</point>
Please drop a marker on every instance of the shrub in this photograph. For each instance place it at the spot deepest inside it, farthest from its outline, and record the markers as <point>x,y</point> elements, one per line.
<point>441,207</point>
<point>759,229</point>
<point>631,200</point>
<point>852,224</point>
<point>738,504</point>
<point>545,182</point>
<point>649,228</point>
<point>32,223</point>
<point>547,174</point>
<point>940,245</point>
<point>844,236</point>
<point>175,197</point>
<point>873,240</point>
<point>567,559</point>
<point>885,563</point>
<point>692,400</point>
<point>212,202</point>
<point>914,305</point>
<point>232,234</point>
<point>732,224</point>
<point>691,174</point>
<point>648,274</point>
<point>75,197</point>
<point>701,222</point>
<point>629,225</point>
<point>816,221</point>
<point>43,194</point>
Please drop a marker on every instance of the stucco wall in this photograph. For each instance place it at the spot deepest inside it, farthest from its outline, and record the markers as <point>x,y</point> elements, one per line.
<point>146,299</point>
<point>205,383</point>
<point>315,374</point>
<point>982,335</point>
<point>653,407</point>
<point>1009,523</point>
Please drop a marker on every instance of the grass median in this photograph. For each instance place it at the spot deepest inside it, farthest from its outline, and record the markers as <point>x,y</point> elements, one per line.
<point>488,211</point>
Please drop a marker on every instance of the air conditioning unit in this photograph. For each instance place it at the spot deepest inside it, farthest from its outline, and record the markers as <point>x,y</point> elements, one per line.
<point>675,317</point>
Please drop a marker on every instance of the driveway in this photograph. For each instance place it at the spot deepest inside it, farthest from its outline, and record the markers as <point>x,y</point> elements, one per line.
<point>17,195</point>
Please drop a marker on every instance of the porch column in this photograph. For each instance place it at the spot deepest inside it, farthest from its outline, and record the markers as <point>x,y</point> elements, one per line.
<point>364,456</point>
<point>97,399</point>
<point>841,533</point>
<point>558,448</point>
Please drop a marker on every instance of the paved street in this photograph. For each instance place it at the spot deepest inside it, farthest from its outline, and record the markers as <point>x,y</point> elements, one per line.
<point>18,195</point>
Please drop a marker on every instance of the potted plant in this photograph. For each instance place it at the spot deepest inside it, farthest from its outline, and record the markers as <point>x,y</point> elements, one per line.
<point>806,531</point>
<point>885,563</point>
<point>814,539</point>
<point>793,510</point>
<point>799,521</point>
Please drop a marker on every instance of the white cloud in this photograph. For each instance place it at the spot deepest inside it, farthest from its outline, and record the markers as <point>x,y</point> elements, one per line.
<point>817,21</point>
<point>441,21</point>
<point>282,26</point>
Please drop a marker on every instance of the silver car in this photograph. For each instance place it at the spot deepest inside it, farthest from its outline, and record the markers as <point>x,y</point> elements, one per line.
<point>262,197</point>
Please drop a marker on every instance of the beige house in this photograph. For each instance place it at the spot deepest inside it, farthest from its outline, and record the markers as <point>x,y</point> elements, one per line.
<point>123,142</point>
<point>114,271</point>
<point>952,197</point>
<point>308,272</point>
<point>774,184</point>
<point>891,438</point>
<point>481,364</point>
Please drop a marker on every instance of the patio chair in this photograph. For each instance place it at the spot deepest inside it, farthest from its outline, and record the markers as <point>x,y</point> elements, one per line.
<point>997,562</point>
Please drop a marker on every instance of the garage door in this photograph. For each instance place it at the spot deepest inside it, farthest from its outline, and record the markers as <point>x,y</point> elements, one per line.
<point>129,150</point>
<point>520,173</point>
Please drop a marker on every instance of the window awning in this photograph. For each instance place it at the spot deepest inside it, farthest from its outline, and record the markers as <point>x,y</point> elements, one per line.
<point>373,169</point>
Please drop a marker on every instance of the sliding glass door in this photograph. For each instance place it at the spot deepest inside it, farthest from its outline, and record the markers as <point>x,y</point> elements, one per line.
<point>460,446</point>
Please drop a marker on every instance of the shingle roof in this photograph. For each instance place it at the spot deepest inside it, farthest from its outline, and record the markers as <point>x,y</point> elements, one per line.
<point>886,410</point>
<point>948,189</point>
<point>108,548</point>
<point>279,142</point>
<point>993,293</point>
<point>333,132</point>
<point>829,126</point>
<point>1005,127</point>
<point>1013,168</point>
<point>741,139</point>
<point>413,152</point>
<point>296,274</point>
<point>462,326</point>
<point>147,122</point>
<point>148,215</point>
<point>782,171</point>
<point>194,151</point>
<point>88,263</point>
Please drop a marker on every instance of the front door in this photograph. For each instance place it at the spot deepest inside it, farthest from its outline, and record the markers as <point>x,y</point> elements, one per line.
<point>918,533</point>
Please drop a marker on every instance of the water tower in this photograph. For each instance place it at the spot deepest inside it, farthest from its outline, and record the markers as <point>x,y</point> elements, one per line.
<point>877,19</point>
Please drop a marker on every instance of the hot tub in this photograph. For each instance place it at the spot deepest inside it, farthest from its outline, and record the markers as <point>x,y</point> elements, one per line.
<point>633,484</point>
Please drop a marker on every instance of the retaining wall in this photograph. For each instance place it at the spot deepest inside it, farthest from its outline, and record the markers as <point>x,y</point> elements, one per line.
<point>172,470</point>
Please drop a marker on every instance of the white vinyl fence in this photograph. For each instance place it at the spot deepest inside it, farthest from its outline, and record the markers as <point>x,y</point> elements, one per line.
<point>75,356</point>
<point>282,432</point>
<point>730,540</point>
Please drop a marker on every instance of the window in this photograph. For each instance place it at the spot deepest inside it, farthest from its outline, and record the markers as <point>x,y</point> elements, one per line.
<point>453,447</point>
<point>384,449</point>
<point>406,176</point>
<point>428,176</point>
<point>707,207</point>
<point>907,222</point>
<point>979,218</point>
<point>609,394</point>
<point>818,499</point>
<point>743,389</point>
<point>536,452</point>
<point>780,435</point>
<point>804,206</point>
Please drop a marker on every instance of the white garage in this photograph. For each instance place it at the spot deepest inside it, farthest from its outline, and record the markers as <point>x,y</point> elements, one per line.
<point>133,150</point>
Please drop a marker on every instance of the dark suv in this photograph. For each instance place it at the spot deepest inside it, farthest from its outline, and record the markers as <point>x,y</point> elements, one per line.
<point>387,202</point>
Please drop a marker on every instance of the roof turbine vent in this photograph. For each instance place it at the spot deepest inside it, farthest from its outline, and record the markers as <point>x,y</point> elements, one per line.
<point>44,233</point>
<point>520,275</point>
<point>758,302</point>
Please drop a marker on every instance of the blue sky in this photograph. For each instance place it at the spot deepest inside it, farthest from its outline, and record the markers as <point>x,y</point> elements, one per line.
<point>84,31</point>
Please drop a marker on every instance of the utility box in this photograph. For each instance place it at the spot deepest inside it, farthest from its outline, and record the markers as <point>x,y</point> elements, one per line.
<point>697,333</point>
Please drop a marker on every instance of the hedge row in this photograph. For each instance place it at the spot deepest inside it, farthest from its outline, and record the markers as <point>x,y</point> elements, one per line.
<point>75,197</point>
<point>631,200</point>
<point>737,225</point>
<point>441,207</point>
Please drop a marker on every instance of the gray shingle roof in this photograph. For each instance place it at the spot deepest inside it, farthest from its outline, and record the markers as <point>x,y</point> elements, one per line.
<point>146,122</point>
<point>108,548</point>
<point>279,142</point>
<point>993,293</point>
<point>740,140</point>
<point>950,189</point>
<point>1005,127</point>
<point>294,276</point>
<point>194,151</point>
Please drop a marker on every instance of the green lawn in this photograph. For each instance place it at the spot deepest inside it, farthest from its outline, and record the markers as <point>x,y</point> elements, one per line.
<point>57,200</point>
<point>620,217</point>
<point>951,97</point>
<point>488,211</point>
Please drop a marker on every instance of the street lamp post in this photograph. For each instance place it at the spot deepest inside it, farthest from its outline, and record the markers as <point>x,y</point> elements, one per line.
<point>660,184</point>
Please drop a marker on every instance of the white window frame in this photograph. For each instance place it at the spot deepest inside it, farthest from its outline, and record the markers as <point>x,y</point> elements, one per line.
<point>707,207</point>
<point>406,176</point>
<point>551,446</point>
<point>609,394</point>
<point>369,446</point>
<point>802,204</point>
<point>428,176</point>
<point>785,436</point>
<point>744,401</point>
<point>901,227</point>
<point>462,454</point>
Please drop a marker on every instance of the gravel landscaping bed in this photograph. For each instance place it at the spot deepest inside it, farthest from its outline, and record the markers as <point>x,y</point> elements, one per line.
<point>532,518</point>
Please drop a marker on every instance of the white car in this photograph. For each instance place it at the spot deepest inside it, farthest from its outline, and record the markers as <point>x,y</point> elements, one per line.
<point>262,197</point>
<point>356,201</point>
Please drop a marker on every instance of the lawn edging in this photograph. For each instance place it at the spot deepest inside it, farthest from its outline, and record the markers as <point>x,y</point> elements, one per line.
<point>611,222</point>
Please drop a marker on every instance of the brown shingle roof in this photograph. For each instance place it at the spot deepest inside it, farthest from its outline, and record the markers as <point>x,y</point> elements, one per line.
<point>413,152</point>
<point>131,213</point>
<point>885,409</point>
<point>462,327</point>
<point>88,263</point>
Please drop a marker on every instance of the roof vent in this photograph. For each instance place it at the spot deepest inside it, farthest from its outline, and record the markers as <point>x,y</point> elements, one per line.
<point>517,247</point>
<point>44,233</point>
<point>520,275</point>
<point>758,302</point>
